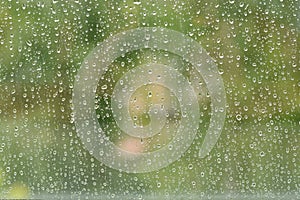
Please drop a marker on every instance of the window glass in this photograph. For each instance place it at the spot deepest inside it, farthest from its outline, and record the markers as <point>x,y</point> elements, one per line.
<point>136,99</point>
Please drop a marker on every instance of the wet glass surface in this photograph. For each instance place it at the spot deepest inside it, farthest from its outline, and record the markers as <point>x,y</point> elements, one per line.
<point>134,99</point>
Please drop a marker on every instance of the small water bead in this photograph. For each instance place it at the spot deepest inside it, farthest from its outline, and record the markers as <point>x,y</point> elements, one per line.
<point>158,184</point>
<point>238,117</point>
<point>104,87</point>
<point>147,37</point>
<point>137,2</point>
<point>7,169</point>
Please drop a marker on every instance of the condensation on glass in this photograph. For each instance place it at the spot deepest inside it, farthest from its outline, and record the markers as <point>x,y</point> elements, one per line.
<point>139,99</point>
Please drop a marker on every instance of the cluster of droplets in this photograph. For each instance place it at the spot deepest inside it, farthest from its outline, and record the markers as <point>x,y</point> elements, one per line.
<point>43,43</point>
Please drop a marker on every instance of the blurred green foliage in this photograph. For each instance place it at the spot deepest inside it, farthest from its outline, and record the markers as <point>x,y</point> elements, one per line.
<point>254,43</point>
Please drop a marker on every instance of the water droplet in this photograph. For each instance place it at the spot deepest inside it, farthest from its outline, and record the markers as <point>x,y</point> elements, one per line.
<point>137,2</point>
<point>104,87</point>
<point>238,117</point>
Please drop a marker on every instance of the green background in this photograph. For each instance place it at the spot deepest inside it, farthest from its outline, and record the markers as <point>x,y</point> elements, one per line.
<point>255,45</point>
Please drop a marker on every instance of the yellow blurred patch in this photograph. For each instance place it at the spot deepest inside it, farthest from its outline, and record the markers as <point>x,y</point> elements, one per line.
<point>18,191</point>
